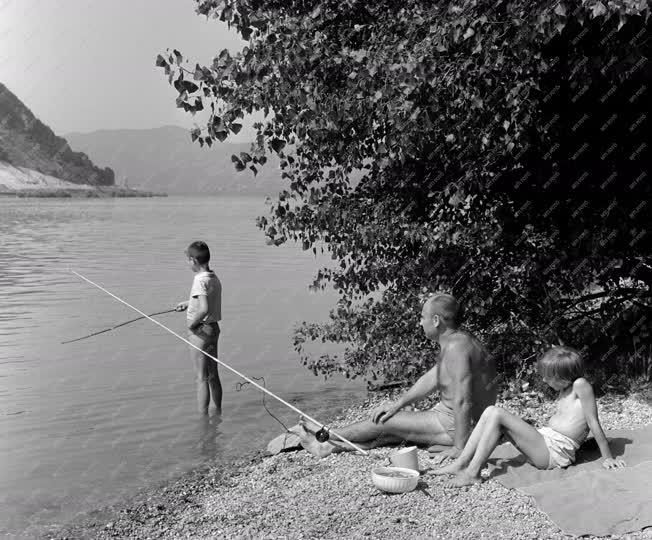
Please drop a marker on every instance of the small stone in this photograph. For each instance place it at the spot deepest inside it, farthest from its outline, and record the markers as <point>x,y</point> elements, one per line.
<point>286,441</point>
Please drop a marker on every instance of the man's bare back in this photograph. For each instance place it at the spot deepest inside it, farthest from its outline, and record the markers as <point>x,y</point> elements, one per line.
<point>465,377</point>
<point>484,383</point>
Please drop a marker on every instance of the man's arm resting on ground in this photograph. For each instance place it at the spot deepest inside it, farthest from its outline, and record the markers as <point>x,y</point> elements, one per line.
<point>462,392</point>
<point>426,384</point>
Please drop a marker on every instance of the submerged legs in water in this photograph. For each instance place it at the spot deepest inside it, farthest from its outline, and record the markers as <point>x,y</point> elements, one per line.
<point>208,379</point>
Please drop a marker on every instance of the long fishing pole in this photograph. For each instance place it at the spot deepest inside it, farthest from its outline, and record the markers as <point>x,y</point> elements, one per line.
<point>117,326</point>
<point>261,388</point>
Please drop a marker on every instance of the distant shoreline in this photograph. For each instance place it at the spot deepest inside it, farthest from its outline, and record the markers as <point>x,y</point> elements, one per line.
<point>71,193</point>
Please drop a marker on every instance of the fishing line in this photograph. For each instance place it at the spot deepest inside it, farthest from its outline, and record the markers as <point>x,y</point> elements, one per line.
<point>322,435</point>
<point>240,385</point>
<point>117,326</point>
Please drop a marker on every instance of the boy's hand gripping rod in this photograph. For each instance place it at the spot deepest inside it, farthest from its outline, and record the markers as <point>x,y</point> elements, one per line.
<point>262,388</point>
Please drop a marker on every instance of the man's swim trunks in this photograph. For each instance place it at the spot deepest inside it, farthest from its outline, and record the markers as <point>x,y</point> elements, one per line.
<point>446,417</point>
<point>560,447</point>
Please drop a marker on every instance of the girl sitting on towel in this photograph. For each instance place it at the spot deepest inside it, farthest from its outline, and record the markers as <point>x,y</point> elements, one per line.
<point>550,447</point>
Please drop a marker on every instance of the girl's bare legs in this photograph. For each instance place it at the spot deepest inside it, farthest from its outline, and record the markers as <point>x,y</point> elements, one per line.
<point>469,448</point>
<point>524,436</point>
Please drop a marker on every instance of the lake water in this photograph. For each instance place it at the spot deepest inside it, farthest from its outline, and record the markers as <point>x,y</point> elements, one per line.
<point>89,423</point>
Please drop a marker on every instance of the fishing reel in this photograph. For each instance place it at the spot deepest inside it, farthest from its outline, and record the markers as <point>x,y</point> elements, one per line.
<point>322,435</point>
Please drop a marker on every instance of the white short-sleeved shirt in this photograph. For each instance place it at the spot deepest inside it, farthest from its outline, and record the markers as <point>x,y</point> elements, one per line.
<point>207,284</point>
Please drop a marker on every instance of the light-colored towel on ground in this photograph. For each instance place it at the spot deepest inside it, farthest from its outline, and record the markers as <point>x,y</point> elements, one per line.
<point>585,498</point>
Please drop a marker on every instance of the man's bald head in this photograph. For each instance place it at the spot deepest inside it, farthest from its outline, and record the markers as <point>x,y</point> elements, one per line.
<point>446,306</point>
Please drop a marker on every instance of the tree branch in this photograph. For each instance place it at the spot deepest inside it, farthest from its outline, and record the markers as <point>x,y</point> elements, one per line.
<point>594,296</point>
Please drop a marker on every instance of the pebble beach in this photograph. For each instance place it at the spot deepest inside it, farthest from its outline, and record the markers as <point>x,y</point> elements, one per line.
<point>296,495</point>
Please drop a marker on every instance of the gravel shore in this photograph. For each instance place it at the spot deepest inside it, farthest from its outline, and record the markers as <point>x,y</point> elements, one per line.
<point>295,495</point>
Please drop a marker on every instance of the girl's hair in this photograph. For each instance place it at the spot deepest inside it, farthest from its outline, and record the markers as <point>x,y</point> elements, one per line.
<point>562,362</point>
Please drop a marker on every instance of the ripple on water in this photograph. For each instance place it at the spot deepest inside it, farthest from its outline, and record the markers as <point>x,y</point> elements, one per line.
<point>89,422</point>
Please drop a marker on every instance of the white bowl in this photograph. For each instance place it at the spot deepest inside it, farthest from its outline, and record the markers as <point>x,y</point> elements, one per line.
<point>394,485</point>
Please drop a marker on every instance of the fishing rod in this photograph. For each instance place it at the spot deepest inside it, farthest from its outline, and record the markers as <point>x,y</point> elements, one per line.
<point>322,435</point>
<point>117,326</point>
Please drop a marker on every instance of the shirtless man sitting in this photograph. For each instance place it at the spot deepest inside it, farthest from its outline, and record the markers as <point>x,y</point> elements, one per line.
<point>465,376</point>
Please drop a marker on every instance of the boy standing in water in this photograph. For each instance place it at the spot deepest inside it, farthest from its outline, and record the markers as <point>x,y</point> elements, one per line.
<point>204,312</point>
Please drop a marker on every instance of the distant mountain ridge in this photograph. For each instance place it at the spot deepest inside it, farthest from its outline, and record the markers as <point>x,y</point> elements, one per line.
<point>26,142</point>
<point>165,159</point>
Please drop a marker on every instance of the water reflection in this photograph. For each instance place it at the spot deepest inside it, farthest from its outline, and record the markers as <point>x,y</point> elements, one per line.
<point>208,441</point>
<point>120,407</point>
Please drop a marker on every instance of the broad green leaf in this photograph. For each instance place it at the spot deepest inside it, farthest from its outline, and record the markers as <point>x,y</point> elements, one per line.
<point>277,145</point>
<point>239,166</point>
<point>598,9</point>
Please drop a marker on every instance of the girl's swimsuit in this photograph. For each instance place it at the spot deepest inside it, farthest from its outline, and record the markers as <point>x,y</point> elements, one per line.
<point>560,447</point>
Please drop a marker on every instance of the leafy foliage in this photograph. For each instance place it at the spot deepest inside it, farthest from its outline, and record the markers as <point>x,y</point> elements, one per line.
<point>494,150</point>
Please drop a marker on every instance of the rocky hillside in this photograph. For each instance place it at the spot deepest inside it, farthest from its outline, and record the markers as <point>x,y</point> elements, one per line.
<point>26,142</point>
<point>165,159</point>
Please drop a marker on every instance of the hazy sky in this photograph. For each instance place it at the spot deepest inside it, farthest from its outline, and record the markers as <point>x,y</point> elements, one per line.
<point>84,65</point>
